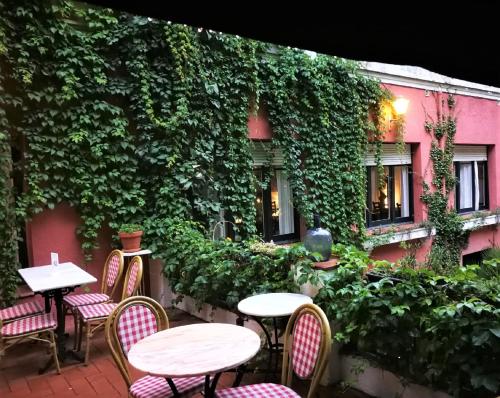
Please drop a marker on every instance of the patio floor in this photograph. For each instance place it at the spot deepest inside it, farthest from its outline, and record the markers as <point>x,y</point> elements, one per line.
<point>19,371</point>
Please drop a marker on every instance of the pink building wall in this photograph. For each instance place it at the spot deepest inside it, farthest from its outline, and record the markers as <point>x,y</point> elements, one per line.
<point>55,231</point>
<point>478,123</point>
<point>258,126</point>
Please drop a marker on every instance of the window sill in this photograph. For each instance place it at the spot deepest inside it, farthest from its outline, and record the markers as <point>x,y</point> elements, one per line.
<point>286,243</point>
<point>392,235</point>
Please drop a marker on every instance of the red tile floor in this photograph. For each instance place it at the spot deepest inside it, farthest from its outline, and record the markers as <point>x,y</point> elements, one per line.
<point>19,371</point>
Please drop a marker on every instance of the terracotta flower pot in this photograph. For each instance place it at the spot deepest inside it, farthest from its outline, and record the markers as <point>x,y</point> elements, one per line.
<point>131,242</point>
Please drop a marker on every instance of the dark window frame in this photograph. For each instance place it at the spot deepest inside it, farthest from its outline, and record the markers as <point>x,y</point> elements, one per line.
<point>457,186</point>
<point>390,194</point>
<point>267,215</point>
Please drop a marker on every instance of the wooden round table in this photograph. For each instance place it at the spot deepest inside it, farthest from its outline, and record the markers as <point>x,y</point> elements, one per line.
<point>195,350</point>
<point>271,305</point>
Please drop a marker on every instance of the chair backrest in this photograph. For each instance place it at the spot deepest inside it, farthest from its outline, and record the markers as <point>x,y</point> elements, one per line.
<point>113,269</point>
<point>133,277</point>
<point>307,346</point>
<point>132,320</point>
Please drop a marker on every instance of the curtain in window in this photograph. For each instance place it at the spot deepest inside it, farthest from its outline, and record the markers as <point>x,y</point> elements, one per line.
<point>405,193</point>
<point>466,185</point>
<point>476,187</point>
<point>286,225</point>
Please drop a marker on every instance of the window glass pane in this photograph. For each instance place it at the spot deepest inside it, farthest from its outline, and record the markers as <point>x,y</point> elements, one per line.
<point>259,204</point>
<point>281,202</point>
<point>481,178</point>
<point>466,187</point>
<point>379,201</point>
<point>401,192</point>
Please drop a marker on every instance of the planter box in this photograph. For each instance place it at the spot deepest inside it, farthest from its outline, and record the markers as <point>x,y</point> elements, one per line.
<point>377,382</point>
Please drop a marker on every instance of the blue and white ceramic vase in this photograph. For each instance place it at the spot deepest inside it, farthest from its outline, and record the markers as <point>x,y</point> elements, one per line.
<point>319,240</point>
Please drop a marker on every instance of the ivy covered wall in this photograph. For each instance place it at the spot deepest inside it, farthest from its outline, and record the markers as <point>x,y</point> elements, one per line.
<point>130,119</point>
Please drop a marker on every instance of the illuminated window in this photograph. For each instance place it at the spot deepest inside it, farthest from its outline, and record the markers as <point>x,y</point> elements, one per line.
<point>277,220</point>
<point>389,195</point>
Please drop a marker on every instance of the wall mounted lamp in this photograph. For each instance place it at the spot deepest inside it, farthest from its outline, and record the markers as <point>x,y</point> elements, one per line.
<point>400,105</point>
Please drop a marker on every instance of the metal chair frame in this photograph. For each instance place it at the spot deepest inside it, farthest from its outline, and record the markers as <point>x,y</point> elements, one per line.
<point>111,330</point>
<point>91,326</point>
<point>105,289</point>
<point>7,342</point>
<point>287,371</point>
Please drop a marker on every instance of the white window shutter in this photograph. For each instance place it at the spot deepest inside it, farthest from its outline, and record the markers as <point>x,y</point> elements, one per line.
<point>390,156</point>
<point>470,153</point>
<point>263,155</point>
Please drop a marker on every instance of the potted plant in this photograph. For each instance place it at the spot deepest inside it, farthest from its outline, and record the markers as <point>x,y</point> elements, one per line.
<point>130,235</point>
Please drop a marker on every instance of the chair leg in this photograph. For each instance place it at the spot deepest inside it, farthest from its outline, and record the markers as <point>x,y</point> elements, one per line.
<point>75,323</point>
<point>54,351</point>
<point>88,330</point>
<point>79,335</point>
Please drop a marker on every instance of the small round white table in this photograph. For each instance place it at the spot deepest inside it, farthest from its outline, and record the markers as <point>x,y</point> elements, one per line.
<point>195,350</point>
<point>271,305</point>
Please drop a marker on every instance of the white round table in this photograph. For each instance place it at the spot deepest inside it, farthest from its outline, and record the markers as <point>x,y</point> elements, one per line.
<point>195,350</point>
<point>271,305</point>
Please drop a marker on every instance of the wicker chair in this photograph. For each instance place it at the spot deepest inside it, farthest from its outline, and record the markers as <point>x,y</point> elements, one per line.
<point>113,269</point>
<point>132,320</point>
<point>37,327</point>
<point>307,347</point>
<point>93,317</point>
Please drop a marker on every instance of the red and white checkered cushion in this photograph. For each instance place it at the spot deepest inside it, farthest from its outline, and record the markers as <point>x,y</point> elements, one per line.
<point>134,269</point>
<point>157,387</point>
<point>136,322</point>
<point>114,261</point>
<point>29,325</point>
<point>96,310</point>
<point>262,390</point>
<point>306,344</point>
<point>20,311</point>
<point>76,300</point>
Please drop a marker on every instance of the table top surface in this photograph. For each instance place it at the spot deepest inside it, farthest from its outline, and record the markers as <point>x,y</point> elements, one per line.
<point>49,277</point>
<point>194,350</point>
<point>272,304</point>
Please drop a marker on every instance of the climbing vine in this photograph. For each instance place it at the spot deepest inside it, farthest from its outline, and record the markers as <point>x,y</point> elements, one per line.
<point>8,232</point>
<point>130,119</point>
<point>450,237</point>
<point>318,109</point>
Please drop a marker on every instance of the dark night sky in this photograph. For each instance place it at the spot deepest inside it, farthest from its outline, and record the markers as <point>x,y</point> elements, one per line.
<point>460,41</point>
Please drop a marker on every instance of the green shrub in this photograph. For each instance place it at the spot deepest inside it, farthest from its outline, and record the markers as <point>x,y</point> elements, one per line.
<point>129,228</point>
<point>441,331</point>
<point>223,272</point>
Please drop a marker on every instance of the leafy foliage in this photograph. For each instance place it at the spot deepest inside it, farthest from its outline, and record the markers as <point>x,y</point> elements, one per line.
<point>8,231</point>
<point>318,109</point>
<point>441,331</point>
<point>129,228</point>
<point>131,119</point>
<point>223,272</point>
<point>450,237</point>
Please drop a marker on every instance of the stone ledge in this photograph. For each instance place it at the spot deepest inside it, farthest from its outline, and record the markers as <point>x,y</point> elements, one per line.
<point>421,232</point>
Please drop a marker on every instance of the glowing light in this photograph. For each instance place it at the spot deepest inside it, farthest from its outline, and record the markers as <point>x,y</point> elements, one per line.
<point>400,105</point>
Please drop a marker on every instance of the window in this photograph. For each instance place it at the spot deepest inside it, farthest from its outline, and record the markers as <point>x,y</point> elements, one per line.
<point>277,220</point>
<point>471,191</point>
<point>471,171</point>
<point>389,196</point>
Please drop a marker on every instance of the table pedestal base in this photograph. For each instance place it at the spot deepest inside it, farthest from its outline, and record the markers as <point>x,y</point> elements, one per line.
<point>275,348</point>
